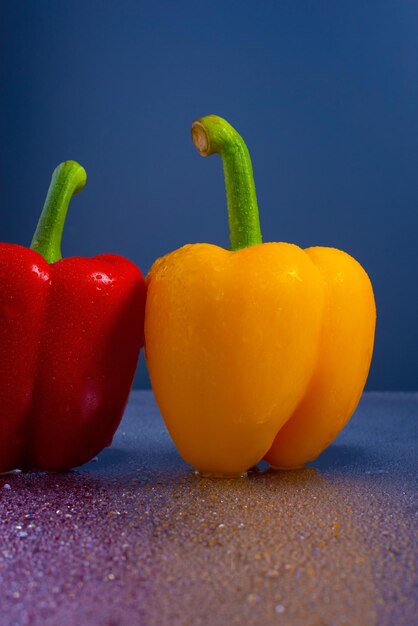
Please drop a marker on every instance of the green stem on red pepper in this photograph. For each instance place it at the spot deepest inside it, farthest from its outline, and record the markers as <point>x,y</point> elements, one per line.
<point>67,180</point>
<point>213,135</point>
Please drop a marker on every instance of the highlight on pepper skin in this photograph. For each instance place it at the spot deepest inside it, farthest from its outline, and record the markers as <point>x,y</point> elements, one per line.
<point>70,337</point>
<point>259,351</point>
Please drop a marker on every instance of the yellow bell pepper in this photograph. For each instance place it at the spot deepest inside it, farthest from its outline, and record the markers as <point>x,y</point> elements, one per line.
<point>259,351</point>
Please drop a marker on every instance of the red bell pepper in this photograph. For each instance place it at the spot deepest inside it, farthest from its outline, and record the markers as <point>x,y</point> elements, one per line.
<point>70,334</point>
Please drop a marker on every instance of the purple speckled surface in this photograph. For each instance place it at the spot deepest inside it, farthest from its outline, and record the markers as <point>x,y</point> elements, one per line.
<point>136,538</point>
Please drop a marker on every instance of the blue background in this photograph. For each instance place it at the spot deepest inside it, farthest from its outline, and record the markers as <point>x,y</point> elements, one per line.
<point>325,94</point>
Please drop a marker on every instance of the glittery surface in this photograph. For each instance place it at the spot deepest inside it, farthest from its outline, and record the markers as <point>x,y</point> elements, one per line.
<point>136,538</point>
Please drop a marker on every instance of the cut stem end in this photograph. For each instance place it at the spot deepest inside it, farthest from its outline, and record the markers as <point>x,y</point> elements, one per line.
<point>200,138</point>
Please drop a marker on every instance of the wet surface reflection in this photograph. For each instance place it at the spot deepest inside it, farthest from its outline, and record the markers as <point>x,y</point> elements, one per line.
<point>136,537</point>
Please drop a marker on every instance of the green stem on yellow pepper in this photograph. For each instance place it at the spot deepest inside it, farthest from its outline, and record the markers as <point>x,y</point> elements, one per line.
<point>213,135</point>
<point>68,179</point>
